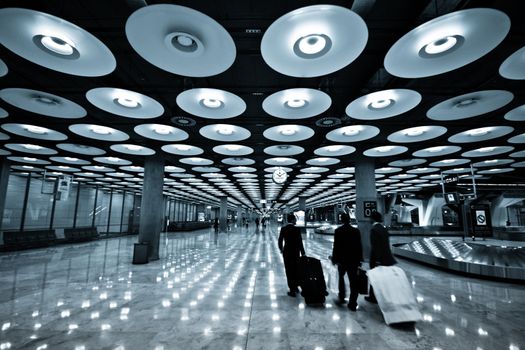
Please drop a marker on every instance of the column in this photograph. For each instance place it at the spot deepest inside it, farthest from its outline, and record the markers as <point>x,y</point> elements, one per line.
<point>4,179</point>
<point>365,187</point>
<point>336,215</point>
<point>150,217</point>
<point>223,214</point>
<point>302,206</point>
<point>239,216</point>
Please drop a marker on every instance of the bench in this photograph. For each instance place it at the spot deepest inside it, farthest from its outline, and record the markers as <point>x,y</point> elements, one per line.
<point>80,234</point>
<point>15,240</point>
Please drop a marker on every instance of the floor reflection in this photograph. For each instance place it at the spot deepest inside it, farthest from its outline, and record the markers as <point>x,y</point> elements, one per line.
<point>228,291</point>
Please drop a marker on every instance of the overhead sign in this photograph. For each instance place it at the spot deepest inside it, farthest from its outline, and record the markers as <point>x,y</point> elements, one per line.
<point>63,186</point>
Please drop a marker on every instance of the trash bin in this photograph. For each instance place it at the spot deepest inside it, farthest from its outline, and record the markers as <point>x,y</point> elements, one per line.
<point>140,253</point>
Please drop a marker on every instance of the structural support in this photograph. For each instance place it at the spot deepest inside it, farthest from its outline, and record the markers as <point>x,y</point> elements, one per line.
<point>150,217</point>
<point>366,195</point>
<point>223,214</point>
<point>4,180</point>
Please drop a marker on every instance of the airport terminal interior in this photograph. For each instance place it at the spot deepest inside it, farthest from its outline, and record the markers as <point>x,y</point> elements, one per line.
<point>151,151</point>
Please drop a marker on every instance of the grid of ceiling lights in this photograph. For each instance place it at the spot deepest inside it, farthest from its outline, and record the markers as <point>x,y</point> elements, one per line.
<point>408,175</point>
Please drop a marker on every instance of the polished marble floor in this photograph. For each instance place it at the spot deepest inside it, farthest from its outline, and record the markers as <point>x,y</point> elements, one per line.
<point>228,291</point>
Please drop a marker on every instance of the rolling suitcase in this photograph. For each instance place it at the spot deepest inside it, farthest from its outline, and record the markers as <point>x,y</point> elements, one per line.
<point>311,280</point>
<point>394,294</point>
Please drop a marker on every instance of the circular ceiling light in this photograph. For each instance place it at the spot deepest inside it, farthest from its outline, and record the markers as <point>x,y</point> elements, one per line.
<point>224,132</point>
<point>385,151</point>
<point>383,104</point>
<point>283,150</point>
<point>132,149</point>
<point>199,47</point>
<point>407,162</point>
<point>436,151</point>
<point>297,103</point>
<point>80,149</point>
<point>211,103</point>
<point>447,42</point>
<point>233,150</point>
<point>289,132</point>
<point>514,66</point>
<point>449,162</point>
<point>470,105</point>
<point>481,134</point>
<point>314,41</point>
<point>30,148</point>
<point>98,132</point>
<point>353,133</point>
<point>161,132</point>
<point>517,139</point>
<point>334,150</point>
<point>488,151</point>
<point>33,131</point>
<point>180,149</point>
<point>125,103</point>
<point>42,103</point>
<point>417,134</point>
<point>54,43</point>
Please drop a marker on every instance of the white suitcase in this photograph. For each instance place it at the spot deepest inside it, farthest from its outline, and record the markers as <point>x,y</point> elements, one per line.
<point>394,294</point>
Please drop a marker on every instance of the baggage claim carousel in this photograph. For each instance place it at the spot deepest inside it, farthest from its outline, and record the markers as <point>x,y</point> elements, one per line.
<point>477,258</point>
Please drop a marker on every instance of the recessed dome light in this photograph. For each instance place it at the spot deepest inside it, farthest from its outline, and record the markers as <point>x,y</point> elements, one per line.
<point>466,102</point>
<point>46,100</point>
<point>211,103</point>
<point>63,167</point>
<point>184,40</point>
<point>36,129</point>
<point>295,103</point>
<point>183,147</point>
<point>288,130</point>
<point>71,159</point>
<point>490,161</point>
<point>29,159</point>
<point>435,149</point>
<point>333,148</point>
<point>127,102</point>
<point>384,148</point>
<point>133,148</point>
<point>112,159</point>
<point>225,129</point>
<point>27,167</point>
<point>233,147</point>
<point>57,45</point>
<point>417,131</point>
<point>32,147</point>
<point>162,129</point>
<point>380,104</point>
<point>486,149</point>
<point>478,132</point>
<point>312,46</point>
<point>446,161</point>
<point>351,131</point>
<point>101,130</point>
<point>440,45</point>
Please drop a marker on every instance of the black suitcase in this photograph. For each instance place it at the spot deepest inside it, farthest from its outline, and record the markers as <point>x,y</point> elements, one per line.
<point>311,280</point>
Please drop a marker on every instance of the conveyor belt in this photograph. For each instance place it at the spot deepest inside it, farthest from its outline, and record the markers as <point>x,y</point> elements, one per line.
<point>474,258</point>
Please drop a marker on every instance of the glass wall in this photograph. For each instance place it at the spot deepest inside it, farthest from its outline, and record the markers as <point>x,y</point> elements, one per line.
<point>114,211</point>
<point>14,202</point>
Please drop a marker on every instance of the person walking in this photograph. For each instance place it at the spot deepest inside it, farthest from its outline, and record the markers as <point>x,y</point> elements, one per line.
<point>380,252</point>
<point>347,254</point>
<point>216,225</point>
<point>290,235</point>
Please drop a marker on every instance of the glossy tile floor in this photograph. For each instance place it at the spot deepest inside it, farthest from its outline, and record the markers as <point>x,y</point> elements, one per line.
<point>228,291</point>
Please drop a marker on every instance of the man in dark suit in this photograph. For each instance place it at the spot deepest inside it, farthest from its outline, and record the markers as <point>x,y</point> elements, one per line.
<point>293,246</point>
<point>380,253</point>
<point>347,253</point>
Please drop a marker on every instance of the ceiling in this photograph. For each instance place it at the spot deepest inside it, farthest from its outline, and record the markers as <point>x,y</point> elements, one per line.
<point>251,79</point>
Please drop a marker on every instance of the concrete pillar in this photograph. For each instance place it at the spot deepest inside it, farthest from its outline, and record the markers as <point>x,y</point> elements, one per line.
<point>365,188</point>
<point>150,215</point>
<point>223,214</point>
<point>302,206</point>
<point>336,215</point>
<point>4,179</point>
<point>239,216</point>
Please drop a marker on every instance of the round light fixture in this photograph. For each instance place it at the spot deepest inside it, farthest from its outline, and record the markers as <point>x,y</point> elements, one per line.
<point>71,159</point>
<point>351,131</point>
<point>133,148</point>
<point>384,149</point>
<point>417,131</point>
<point>32,147</point>
<point>183,147</point>
<point>441,46</point>
<point>46,100</point>
<point>57,45</point>
<point>381,104</point>
<point>225,129</point>
<point>101,130</point>
<point>211,103</point>
<point>183,42</point>
<point>478,132</point>
<point>435,149</point>
<point>465,103</point>
<point>162,129</point>
<point>127,102</point>
<point>288,130</point>
<point>312,46</point>
<point>36,129</point>
<point>296,103</point>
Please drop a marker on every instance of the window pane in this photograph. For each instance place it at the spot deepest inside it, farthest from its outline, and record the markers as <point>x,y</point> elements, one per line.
<point>39,206</point>
<point>65,209</point>
<point>116,212</point>
<point>14,201</point>
<point>85,206</point>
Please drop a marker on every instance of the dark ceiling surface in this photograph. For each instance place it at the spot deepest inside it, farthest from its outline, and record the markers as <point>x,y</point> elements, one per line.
<point>253,80</point>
